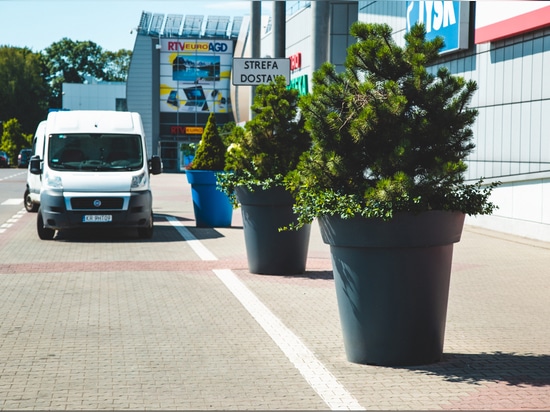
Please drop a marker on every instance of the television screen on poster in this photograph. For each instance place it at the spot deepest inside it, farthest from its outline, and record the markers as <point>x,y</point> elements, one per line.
<point>196,68</point>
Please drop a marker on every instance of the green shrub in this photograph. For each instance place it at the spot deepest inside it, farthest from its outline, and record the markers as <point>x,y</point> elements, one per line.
<point>210,154</point>
<point>271,143</point>
<point>388,134</point>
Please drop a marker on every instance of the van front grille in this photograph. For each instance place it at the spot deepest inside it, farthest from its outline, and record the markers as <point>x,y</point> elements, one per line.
<point>97,203</point>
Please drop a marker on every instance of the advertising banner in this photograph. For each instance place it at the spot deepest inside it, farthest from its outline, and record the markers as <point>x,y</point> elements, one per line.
<point>195,75</point>
<point>447,19</point>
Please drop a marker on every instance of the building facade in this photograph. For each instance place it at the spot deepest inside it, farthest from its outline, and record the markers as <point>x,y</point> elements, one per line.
<point>94,96</point>
<point>503,45</point>
<point>507,53</point>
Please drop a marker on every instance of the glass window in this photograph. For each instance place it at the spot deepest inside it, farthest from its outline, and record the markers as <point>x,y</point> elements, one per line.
<point>84,151</point>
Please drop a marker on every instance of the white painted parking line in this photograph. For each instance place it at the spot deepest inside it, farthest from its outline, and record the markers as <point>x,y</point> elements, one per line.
<point>12,202</point>
<point>12,220</point>
<point>319,378</point>
<point>12,176</point>
<point>195,244</point>
<point>323,382</point>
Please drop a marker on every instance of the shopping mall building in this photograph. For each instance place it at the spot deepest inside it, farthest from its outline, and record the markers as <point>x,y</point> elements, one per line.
<point>181,71</point>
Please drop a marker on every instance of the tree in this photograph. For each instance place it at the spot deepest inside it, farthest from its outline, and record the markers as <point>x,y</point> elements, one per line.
<point>13,139</point>
<point>24,90</point>
<point>389,134</point>
<point>274,138</point>
<point>210,154</point>
<point>115,65</point>
<point>71,61</point>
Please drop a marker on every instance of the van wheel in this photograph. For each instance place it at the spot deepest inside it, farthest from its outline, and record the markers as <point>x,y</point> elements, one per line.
<point>44,233</point>
<point>29,204</point>
<point>147,231</point>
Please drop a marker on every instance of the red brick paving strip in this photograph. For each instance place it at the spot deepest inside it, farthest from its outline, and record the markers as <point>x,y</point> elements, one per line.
<point>137,266</point>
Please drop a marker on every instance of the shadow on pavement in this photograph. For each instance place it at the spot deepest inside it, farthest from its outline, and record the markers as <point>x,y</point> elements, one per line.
<point>163,232</point>
<point>514,369</point>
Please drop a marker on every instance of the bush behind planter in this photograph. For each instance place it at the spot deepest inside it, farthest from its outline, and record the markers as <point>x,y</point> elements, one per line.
<point>261,155</point>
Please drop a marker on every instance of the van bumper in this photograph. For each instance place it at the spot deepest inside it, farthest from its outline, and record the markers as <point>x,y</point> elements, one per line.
<point>88,210</point>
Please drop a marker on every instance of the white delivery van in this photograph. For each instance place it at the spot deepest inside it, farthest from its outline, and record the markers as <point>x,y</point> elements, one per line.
<point>94,172</point>
<point>31,197</point>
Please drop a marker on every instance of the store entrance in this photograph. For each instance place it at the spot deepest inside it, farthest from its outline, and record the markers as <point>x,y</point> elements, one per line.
<point>169,154</point>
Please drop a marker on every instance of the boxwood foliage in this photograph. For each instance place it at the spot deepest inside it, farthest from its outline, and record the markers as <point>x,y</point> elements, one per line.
<point>210,154</point>
<point>388,133</point>
<point>270,144</point>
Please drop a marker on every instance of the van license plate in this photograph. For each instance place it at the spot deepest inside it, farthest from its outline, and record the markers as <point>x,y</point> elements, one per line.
<point>97,218</point>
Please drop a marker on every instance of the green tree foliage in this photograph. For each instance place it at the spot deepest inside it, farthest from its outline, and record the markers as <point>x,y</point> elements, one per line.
<point>388,134</point>
<point>115,65</point>
<point>273,140</point>
<point>23,88</point>
<point>13,139</point>
<point>210,154</point>
<point>71,61</point>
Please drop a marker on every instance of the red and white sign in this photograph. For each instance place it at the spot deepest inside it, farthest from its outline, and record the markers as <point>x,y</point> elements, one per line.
<point>295,61</point>
<point>499,20</point>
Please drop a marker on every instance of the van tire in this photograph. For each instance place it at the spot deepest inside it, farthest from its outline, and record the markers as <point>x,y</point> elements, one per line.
<point>44,233</point>
<point>147,231</point>
<point>29,204</point>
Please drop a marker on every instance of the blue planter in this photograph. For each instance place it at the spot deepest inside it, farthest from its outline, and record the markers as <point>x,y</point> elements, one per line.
<point>187,160</point>
<point>212,207</point>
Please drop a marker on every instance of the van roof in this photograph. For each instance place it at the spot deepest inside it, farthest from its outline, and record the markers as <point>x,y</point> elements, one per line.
<point>94,121</point>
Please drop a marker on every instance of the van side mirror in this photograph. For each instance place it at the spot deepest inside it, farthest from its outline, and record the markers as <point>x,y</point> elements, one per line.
<point>155,165</point>
<point>35,165</point>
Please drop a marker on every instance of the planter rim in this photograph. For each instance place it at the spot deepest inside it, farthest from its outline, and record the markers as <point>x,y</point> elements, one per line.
<point>274,196</point>
<point>425,229</point>
<point>203,177</point>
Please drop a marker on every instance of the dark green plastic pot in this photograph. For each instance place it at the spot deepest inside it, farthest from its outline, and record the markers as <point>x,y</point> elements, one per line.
<point>392,284</point>
<point>270,251</point>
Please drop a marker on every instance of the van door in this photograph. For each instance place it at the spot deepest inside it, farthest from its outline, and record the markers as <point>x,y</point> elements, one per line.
<point>34,181</point>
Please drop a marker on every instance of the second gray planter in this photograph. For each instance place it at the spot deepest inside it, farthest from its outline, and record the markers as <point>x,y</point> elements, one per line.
<point>270,251</point>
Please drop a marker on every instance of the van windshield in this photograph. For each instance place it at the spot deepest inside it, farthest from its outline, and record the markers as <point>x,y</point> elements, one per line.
<point>95,151</point>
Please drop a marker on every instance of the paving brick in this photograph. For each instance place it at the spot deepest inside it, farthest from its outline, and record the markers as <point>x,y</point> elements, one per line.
<point>103,321</point>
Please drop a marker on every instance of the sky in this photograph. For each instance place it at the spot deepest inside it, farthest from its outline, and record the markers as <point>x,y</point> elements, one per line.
<point>37,24</point>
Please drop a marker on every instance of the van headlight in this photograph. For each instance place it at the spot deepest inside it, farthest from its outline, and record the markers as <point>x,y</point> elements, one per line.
<point>53,181</point>
<point>139,182</point>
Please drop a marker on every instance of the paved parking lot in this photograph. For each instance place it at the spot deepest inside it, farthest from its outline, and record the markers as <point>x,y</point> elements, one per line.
<point>100,320</point>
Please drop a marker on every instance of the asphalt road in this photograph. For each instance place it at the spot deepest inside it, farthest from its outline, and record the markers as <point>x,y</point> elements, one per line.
<point>12,187</point>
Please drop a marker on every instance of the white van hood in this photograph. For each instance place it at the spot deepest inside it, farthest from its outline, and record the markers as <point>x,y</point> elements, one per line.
<point>97,181</point>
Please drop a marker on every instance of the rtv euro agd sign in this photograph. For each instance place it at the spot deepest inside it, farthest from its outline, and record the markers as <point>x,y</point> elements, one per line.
<point>252,72</point>
<point>448,19</point>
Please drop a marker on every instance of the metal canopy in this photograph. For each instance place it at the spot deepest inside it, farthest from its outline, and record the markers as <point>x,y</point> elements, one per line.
<point>192,26</point>
<point>172,25</point>
<point>216,26</point>
<point>156,24</point>
<point>144,22</point>
<point>236,26</point>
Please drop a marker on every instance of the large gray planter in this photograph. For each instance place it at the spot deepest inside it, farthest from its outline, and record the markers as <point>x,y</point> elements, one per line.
<point>392,284</point>
<point>270,251</point>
